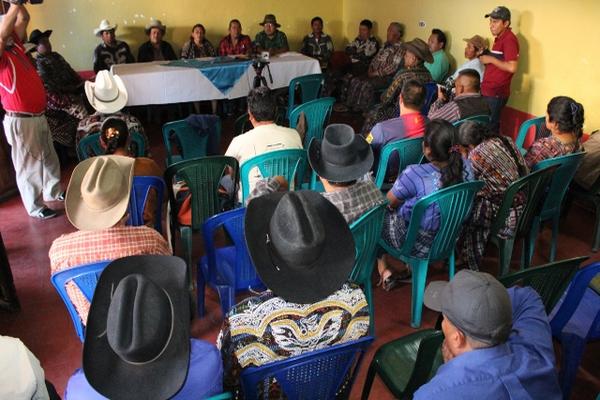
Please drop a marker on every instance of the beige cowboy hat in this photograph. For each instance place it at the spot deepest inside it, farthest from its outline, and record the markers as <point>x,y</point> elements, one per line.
<point>478,42</point>
<point>419,48</point>
<point>107,94</point>
<point>98,192</point>
<point>105,25</point>
<point>155,23</point>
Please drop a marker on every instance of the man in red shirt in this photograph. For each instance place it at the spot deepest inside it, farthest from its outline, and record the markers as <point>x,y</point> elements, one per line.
<point>24,99</point>
<point>500,64</point>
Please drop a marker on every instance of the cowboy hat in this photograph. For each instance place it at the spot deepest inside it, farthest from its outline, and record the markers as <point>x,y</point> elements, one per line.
<point>155,23</point>
<point>300,244</point>
<point>269,19</point>
<point>36,35</point>
<point>477,41</point>
<point>137,336</point>
<point>98,192</point>
<point>107,94</point>
<point>419,48</point>
<point>105,25</point>
<point>342,156</point>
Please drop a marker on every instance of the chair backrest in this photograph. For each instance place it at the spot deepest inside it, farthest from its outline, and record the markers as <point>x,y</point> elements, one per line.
<point>289,163</point>
<point>366,232</point>
<point>310,89</point>
<point>430,96</point>
<point>482,119</point>
<point>241,125</point>
<point>140,189</point>
<point>428,360</point>
<point>317,374</point>
<point>89,146</point>
<point>549,280</point>
<point>202,176</point>
<point>410,151</point>
<point>191,144</point>
<point>524,129</point>
<point>85,277</point>
<point>317,113</point>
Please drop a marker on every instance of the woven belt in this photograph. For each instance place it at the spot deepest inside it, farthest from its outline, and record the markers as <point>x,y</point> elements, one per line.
<point>22,114</point>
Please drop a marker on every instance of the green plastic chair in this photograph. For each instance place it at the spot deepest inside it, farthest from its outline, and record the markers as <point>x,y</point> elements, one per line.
<point>407,363</point>
<point>289,163</point>
<point>537,122</point>
<point>241,125</point>
<point>191,144</point>
<point>89,146</point>
<point>410,151</point>
<point>202,176</point>
<point>366,232</point>
<point>534,186</point>
<point>482,119</point>
<point>590,196</point>
<point>551,210</point>
<point>454,204</point>
<point>222,396</point>
<point>310,88</point>
<point>550,280</point>
<point>317,113</point>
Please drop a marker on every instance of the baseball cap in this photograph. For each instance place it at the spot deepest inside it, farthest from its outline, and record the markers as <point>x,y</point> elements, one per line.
<point>476,303</point>
<point>499,12</point>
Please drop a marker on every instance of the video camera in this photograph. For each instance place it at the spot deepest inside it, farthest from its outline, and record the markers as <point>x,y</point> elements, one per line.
<point>259,62</point>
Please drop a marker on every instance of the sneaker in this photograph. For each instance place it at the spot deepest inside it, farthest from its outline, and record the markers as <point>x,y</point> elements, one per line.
<point>61,196</point>
<point>46,213</point>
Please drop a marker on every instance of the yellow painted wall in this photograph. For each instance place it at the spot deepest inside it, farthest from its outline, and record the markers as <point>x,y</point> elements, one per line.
<point>559,42</point>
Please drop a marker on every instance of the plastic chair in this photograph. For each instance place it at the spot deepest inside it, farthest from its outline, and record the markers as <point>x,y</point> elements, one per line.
<point>407,363</point>
<point>189,141</point>
<point>85,277</point>
<point>229,269</point>
<point>310,89</point>
<point>221,396</point>
<point>139,196</point>
<point>575,322</point>
<point>590,196</point>
<point>410,151</point>
<point>551,210</point>
<point>482,119</point>
<point>241,125</point>
<point>537,122</point>
<point>366,232</point>
<point>89,146</point>
<point>534,186</point>
<point>318,374</point>
<point>430,96</point>
<point>289,163</point>
<point>454,204</point>
<point>317,113</point>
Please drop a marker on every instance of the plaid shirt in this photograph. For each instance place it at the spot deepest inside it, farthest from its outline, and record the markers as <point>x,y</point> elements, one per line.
<point>388,59</point>
<point>278,41</point>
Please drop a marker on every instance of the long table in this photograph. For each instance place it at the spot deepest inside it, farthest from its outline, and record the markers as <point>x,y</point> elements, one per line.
<point>155,83</point>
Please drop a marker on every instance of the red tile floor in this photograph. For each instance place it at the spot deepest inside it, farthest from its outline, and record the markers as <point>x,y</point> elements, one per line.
<point>43,323</point>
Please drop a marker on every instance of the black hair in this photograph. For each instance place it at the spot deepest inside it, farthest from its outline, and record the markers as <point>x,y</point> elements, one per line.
<point>199,26</point>
<point>567,113</point>
<point>114,134</point>
<point>367,23</point>
<point>472,133</point>
<point>473,75</point>
<point>440,138</point>
<point>413,94</point>
<point>262,105</point>
<point>312,21</point>
<point>441,36</point>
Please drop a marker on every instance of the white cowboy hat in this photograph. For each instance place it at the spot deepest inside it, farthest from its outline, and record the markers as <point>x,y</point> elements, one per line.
<point>105,25</point>
<point>107,94</point>
<point>155,23</point>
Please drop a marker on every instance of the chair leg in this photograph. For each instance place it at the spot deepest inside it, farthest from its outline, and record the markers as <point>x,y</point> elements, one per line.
<point>451,266</point>
<point>419,273</point>
<point>529,248</point>
<point>505,247</point>
<point>553,245</point>
<point>368,381</point>
<point>186,241</point>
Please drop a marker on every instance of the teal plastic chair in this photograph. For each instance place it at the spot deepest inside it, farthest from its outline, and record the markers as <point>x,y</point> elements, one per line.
<point>551,210</point>
<point>454,204</point>
<point>190,143</point>
<point>89,146</point>
<point>410,151</point>
<point>366,232</point>
<point>289,163</point>
<point>241,125</point>
<point>317,113</point>
<point>524,130</point>
<point>222,396</point>
<point>310,88</point>
<point>482,119</point>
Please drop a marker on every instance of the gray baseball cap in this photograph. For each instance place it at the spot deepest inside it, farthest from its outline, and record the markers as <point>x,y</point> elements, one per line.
<point>476,303</point>
<point>499,12</point>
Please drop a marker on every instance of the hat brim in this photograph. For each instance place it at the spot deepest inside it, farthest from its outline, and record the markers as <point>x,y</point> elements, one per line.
<point>268,22</point>
<point>80,214</point>
<point>107,107</point>
<point>293,283</point>
<point>104,369</point>
<point>427,56</point>
<point>433,295</point>
<point>36,40</point>
<point>163,28</point>
<point>98,31</point>
<point>336,173</point>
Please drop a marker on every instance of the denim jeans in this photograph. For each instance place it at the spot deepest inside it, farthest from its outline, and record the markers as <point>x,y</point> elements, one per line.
<point>496,105</point>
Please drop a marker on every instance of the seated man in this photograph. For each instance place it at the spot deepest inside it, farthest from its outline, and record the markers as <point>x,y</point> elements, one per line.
<point>474,48</point>
<point>111,51</point>
<point>96,204</point>
<point>271,39</point>
<point>156,49</point>
<point>497,342</point>
<point>440,65</point>
<point>138,344</point>
<point>467,100</point>
<point>363,48</point>
<point>303,252</point>
<point>318,44</point>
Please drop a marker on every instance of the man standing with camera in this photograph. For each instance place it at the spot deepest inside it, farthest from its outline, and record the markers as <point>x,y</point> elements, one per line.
<point>24,99</point>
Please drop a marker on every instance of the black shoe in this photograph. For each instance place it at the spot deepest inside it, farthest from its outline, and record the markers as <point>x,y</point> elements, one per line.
<point>45,213</point>
<point>61,196</point>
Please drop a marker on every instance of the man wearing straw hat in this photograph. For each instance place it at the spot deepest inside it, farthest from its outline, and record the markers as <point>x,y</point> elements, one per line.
<point>271,39</point>
<point>156,49</point>
<point>110,51</point>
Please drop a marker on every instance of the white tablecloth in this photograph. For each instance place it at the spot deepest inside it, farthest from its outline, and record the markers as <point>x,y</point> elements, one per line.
<point>151,83</point>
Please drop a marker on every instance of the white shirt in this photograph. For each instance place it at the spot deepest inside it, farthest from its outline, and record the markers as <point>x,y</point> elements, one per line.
<point>471,64</point>
<point>21,376</point>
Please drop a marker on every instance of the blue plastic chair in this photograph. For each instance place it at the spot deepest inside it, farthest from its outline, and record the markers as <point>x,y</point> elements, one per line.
<point>366,232</point>
<point>85,277</point>
<point>430,96</point>
<point>229,270</point>
<point>482,119</point>
<point>89,146</point>
<point>575,322</point>
<point>454,204</point>
<point>190,142</point>
<point>289,163</point>
<point>551,209</point>
<point>410,151</point>
<point>139,196</point>
<point>537,123</point>
<point>317,113</point>
<point>318,374</point>
<point>310,88</point>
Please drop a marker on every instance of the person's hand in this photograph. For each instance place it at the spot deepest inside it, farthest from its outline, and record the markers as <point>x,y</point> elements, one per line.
<point>283,184</point>
<point>486,59</point>
<point>441,95</point>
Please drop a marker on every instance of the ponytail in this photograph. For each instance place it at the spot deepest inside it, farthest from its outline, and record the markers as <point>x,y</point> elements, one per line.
<point>114,135</point>
<point>441,139</point>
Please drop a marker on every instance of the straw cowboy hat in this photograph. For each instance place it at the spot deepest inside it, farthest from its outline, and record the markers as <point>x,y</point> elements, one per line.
<point>107,94</point>
<point>419,48</point>
<point>105,25</point>
<point>155,23</point>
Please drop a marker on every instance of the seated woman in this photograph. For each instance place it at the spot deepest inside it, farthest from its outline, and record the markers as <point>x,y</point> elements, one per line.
<point>235,43</point>
<point>564,119</point>
<point>445,168</point>
<point>318,44</point>
<point>497,162</point>
<point>197,46</point>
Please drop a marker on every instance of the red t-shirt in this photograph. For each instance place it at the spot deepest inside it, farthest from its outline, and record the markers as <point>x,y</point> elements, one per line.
<point>496,83</point>
<point>21,88</point>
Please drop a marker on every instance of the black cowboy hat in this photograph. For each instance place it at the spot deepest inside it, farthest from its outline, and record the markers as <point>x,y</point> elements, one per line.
<point>342,156</point>
<point>137,338</point>
<point>36,35</point>
<point>420,49</point>
<point>300,244</point>
<point>269,19</point>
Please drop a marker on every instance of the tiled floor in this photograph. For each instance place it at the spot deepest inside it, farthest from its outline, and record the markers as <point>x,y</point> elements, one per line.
<point>45,327</point>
